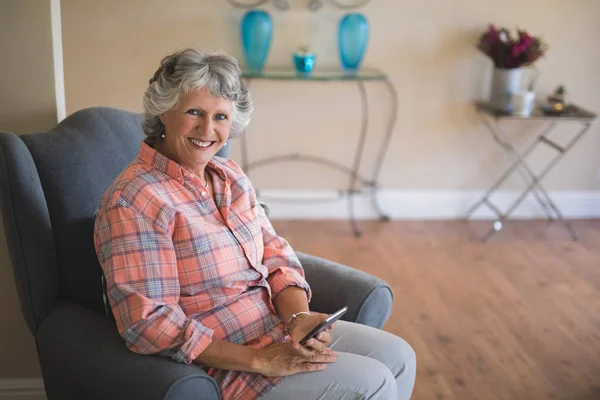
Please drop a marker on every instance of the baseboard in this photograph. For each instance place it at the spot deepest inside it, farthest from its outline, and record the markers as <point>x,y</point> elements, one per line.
<point>415,204</point>
<point>22,389</point>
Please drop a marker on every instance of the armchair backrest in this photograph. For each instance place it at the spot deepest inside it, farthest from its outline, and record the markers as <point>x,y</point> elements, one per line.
<point>50,187</point>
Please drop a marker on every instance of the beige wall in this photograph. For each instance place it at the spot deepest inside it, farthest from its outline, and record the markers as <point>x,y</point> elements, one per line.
<point>27,104</point>
<point>112,48</point>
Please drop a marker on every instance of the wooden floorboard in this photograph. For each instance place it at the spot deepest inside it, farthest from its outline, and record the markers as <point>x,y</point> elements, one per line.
<point>515,318</point>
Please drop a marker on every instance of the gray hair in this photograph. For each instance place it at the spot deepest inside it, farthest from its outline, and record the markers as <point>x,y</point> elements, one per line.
<point>189,69</point>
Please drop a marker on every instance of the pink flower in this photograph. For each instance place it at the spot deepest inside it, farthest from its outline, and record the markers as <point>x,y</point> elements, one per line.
<point>516,50</point>
<point>508,51</point>
<point>525,39</point>
<point>492,34</point>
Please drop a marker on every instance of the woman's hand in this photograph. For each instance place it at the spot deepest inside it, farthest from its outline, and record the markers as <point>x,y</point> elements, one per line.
<point>300,326</point>
<point>283,359</point>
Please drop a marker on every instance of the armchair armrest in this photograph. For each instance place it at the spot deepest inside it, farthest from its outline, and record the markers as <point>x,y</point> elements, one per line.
<point>369,299</point>
<point>83,357</point>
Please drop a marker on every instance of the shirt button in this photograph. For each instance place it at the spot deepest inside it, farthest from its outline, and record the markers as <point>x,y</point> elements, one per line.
<point>203,194</point>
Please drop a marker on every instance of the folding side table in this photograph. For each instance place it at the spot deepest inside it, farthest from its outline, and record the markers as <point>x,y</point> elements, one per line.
<point>492,119</point>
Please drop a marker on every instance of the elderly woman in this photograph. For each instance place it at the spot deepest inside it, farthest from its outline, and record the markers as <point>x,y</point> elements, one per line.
<point>196,272</point>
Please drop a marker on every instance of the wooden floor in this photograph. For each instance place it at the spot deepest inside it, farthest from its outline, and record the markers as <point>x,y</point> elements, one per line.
<point>516,318</point>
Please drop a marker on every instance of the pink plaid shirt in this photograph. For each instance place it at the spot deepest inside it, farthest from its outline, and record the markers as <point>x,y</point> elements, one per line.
<point>182,270</point>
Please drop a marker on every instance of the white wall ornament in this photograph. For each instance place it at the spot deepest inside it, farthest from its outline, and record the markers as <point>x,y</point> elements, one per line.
<point>313,5</point>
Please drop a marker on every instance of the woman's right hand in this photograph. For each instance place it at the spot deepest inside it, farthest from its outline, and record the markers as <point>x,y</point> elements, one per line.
<point>287,358</point>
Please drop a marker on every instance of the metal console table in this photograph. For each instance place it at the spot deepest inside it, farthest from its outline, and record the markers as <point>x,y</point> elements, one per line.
<point>487,114</point>
<point>357,183</point>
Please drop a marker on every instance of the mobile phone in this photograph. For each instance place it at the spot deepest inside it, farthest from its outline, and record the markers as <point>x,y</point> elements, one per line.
<point>324,325</point>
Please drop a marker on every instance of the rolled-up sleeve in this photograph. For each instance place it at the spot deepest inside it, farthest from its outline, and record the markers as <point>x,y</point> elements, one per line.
<point>140,267</point>
<point>281,261</point>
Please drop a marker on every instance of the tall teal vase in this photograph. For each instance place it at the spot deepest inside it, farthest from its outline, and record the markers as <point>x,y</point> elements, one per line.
<point>353,37</point>
<point>257,32</point>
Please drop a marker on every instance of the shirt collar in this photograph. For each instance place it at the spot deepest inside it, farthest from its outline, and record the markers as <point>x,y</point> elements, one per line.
<point>169,167</point>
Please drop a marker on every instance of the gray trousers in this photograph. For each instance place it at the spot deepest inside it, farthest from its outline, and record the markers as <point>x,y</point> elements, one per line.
<point>371,364</point>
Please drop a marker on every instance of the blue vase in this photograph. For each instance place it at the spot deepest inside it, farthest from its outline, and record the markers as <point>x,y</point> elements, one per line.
<point>257,31</point>
<point>353,36</point>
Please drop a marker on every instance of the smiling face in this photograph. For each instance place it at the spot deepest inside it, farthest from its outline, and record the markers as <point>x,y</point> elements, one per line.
<point>196,129</point>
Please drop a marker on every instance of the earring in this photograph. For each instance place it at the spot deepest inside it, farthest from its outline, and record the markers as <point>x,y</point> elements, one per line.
<point>225,144</point>
<point>162,136</point>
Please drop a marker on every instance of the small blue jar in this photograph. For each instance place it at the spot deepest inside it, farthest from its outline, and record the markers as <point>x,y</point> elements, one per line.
<point>304,62</point>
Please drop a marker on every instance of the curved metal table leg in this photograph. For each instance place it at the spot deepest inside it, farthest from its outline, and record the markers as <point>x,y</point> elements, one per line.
<point>356,183</point>
<point>352,190</point>
<point>383,150</point>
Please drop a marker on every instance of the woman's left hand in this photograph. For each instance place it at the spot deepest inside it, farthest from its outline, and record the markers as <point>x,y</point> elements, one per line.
<point>303,324</point>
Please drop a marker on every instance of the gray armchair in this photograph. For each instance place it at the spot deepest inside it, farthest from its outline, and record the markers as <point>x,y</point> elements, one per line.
<point>50,186</point>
